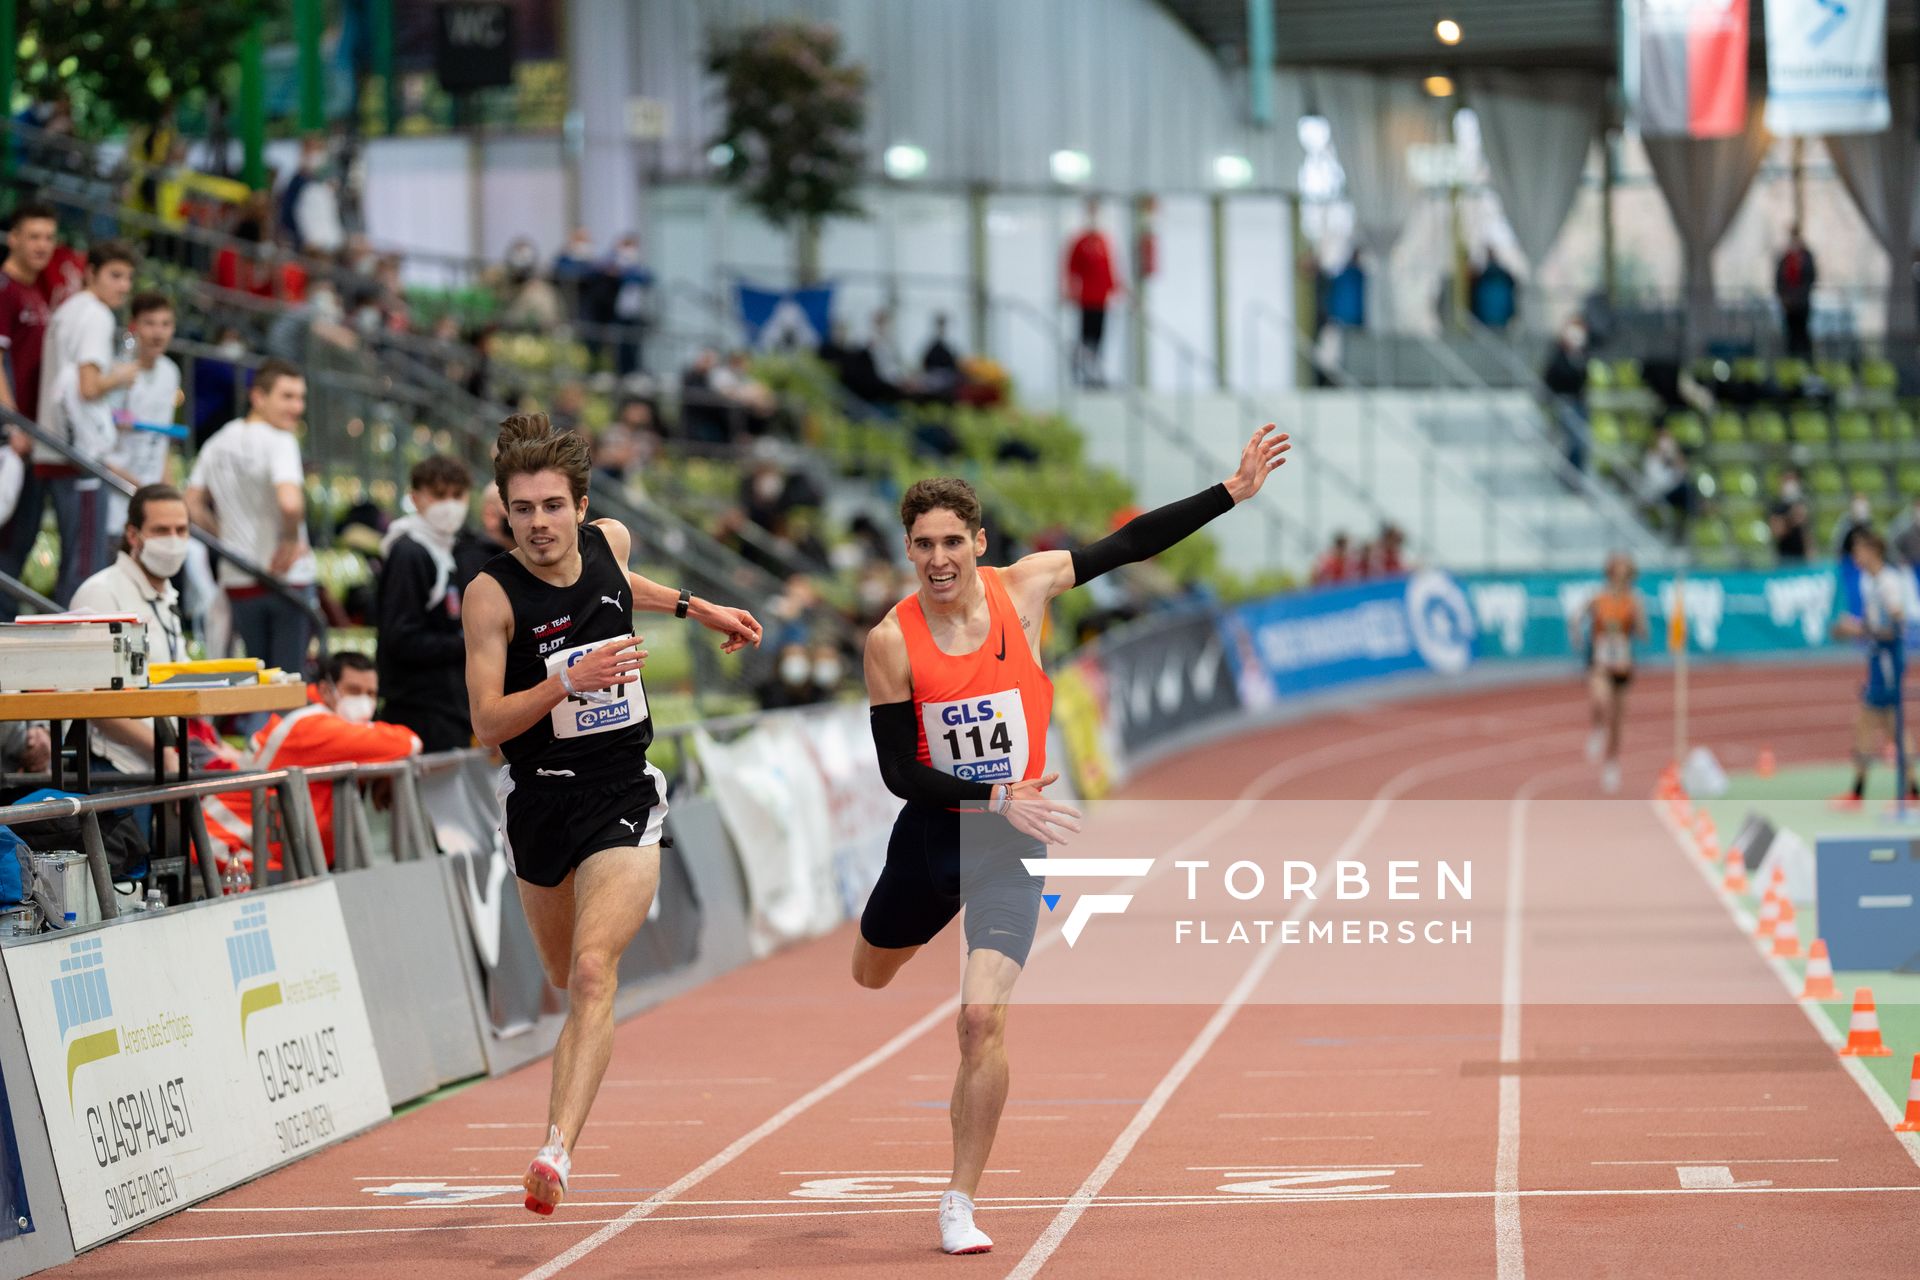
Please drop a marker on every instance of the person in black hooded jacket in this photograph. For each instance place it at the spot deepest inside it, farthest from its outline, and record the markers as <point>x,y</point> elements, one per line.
<point>422,653</point>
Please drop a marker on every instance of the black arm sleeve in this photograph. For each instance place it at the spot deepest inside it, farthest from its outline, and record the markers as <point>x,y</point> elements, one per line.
<point>900,767</point>
<point>1146,536</point>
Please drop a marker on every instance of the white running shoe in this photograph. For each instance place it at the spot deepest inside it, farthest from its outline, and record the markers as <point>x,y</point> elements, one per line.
<point>1596,745</point>
<point>957,1232</point>
<point>546,1180</point>
<point>1610,778</point>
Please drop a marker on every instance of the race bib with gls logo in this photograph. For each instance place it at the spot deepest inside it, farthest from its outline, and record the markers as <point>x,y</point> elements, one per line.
<point>596,710</point>
<point>978,739</point>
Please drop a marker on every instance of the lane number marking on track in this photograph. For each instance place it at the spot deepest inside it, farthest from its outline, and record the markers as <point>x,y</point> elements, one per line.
<point>873,1187</point>
<point>1712,1177</point>
<point>440,1192</point>
<point>1295,1182</point>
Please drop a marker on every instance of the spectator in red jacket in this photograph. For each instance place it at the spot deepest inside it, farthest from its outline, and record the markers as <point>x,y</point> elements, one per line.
<point>1091,284</point>
<point>1337,565</point>
<point>335,727</point>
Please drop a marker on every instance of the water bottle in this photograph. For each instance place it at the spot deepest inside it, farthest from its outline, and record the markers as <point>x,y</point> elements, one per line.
<point>156,901</point>
<point>69,920</point>
<point>243,879</point>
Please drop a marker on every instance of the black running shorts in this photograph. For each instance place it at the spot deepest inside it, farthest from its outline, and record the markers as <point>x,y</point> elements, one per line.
<point>929,877</point>
<point>555,826</point>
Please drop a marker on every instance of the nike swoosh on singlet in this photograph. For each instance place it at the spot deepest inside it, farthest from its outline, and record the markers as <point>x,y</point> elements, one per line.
<point>1002,655</point>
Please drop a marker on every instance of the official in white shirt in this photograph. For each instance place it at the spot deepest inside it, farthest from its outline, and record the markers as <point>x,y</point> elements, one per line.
<point>139,582</point>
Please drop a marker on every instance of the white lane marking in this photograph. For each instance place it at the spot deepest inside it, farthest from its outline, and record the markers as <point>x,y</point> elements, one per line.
<point>1322,1137</point>
<point>1723,1133</point>
<point>526,1222</point>
<point>1723,1160</point>
<point>1342,1072</point>
<point>1311,1115</point>
<point>465,1177</point>
<point>1648,1111</point>
<point>598,1124</point>
<point>1509,1248</point>
<point>1718,1177</point>
<point>669,1083</point>
<point>582,1147</point>
<point>1891,1113</point>
<point>868,1173</point>
<point>1251,1169</point>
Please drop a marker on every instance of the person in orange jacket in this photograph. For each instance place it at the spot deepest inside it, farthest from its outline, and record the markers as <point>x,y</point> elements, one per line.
<point>335,727</point>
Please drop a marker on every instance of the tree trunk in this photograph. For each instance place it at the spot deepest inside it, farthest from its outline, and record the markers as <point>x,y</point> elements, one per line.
<point>806,252</point>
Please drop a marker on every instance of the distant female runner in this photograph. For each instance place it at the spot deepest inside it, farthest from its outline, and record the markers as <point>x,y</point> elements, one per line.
<point>1612,621</point>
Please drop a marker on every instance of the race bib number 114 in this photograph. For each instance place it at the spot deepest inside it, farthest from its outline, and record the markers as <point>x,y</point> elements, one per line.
<point>978,739</point>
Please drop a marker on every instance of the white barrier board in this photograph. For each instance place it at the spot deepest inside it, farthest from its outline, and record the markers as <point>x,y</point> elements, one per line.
<point>180,1055</point>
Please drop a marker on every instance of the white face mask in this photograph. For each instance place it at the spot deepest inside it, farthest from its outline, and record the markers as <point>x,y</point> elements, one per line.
<point>233,348</point>
<point>826,672</point>
<point>358,709</point>
<point>445,517</point>
<point>1862,510</point>
<point>794,670</point>
<point>162,557</point>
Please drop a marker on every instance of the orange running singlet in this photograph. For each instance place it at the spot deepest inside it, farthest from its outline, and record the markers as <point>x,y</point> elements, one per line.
<point>983,715</point>
<point>1616,619</point>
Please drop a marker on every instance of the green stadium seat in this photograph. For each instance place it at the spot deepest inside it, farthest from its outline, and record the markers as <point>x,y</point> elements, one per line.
<point>1789,374</point>
<point>1638,428</point>
<point>1599,376</point>
<point>1739,482</point>
<point>1626,375</point>
<point>1753,536</point>
<point>1728,429</point>
<point>1767,427</point>
<point>1810,428</point>
<point>1879,375</point>
<point>1825,480</point>
<point>1687,429</point>
<point>1868,478</point>
<point>1606,433</point>
<point>1837,374</point>
<point>1853,427</point>
<point>1908,480</point>
<point>1896,426</point>
<point>1749,369</point>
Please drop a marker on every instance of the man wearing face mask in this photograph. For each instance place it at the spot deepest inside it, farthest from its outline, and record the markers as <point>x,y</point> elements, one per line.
<point>335,727</point>
<point>1858,520</point>
<point>422,647</point>
<point>139,581</point>
<point>1788,518</point>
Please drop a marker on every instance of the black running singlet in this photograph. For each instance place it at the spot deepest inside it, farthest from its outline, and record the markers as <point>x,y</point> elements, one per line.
<point>585,737</point>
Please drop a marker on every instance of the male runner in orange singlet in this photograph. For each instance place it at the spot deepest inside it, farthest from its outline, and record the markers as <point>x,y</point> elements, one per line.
<point>960,707</point>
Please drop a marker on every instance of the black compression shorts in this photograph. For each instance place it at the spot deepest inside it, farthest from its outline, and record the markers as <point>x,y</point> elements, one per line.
<point>929,877</point>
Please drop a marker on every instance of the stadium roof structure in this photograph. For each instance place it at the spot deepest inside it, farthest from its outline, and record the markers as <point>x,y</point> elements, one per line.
<point>1496,33</point>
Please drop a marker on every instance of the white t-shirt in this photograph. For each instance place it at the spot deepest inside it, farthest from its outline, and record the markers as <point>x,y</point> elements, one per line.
<point>150,401</point>
<point>81,332</point>
<point>1886,595</point>
<point>239,467</point>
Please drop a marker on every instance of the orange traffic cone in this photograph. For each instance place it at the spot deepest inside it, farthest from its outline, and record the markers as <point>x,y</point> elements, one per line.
<point>1912,1123</point>
<point>1736,878</point>
<point>1819,985</point>
<point>1703,828</point>
<point>1863,1030</point>
<point>1786,934</point>
<point>1764,766</point>
<point>1769,916</point>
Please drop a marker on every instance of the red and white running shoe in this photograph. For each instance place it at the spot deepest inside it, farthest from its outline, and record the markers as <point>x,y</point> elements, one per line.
<point>546,1180</point>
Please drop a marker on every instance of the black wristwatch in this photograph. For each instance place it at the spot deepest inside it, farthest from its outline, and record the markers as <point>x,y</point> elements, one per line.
<point>686,598</point>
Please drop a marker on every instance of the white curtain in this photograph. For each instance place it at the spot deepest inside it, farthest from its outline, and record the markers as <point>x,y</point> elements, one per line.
<point>1704,181</point>
<point>1537,131</point>
<point>1375,120</point>
<point>1880,171</point>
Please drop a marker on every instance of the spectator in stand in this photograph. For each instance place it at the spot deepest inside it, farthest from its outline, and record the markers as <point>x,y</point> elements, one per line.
<point>1091,284</point>
<point>637,415</point>
<point>939,358</point>
<point>1905,536</point>
<point>320,318</point>
<point>529,302</point>
<point>219,385</point>
<point>335,727</point>
<point>790,682</point>
<point>577,274</point>
<point>1793,280</point>
<point>24,315</point>
<point>1857,520</point>
<point>614,452</point>
<point>247,488</point>
<point>66,275</point>
<point>706,416</point>
<point>152,551</point>
<point>627,310</point>
<point>1788,520</point>
<point>422,648</point>
<point>145,440</point>
<point>310,203</point>
<point>1389,553</point>
<point>1666,480</point>
<point>80,371</point>
<point>1337,565</point>
<point>756,407</point>
<point>1566,379</point>
<point>255,266</point>
<point>829,670</point>
<point>396,314</point>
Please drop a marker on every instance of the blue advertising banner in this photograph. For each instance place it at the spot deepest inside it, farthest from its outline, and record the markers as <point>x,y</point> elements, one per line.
<point>1319,640</point>
<point>1529,615</point>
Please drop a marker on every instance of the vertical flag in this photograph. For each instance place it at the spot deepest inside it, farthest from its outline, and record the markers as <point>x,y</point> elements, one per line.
<point>1827,66</point>
<point>1693,67</point>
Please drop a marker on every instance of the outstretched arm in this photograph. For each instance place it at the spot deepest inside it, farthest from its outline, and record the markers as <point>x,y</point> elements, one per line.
<point>737,625</point>
<point>1053,573</point>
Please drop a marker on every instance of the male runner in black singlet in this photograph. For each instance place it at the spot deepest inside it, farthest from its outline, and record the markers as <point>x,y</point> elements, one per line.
<point>553,674</point>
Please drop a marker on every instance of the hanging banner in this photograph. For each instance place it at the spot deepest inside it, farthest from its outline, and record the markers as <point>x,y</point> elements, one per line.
<point>1827,66</point>
<point>776,319</point>
<point>1693,68</point>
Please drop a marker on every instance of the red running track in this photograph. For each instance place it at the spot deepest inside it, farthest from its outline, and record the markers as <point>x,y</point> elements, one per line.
<point>1609,1082</point>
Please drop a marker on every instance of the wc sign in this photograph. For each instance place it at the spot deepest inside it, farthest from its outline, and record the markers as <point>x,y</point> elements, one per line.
<point>474,45</point>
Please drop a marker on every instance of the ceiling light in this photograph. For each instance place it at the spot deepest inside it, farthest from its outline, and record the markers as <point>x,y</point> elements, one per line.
<point>1447,31</point>
<point>1439,86</point>
<point>1070,167</point>
<point>1232,171</point>
<point>904,161</point>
